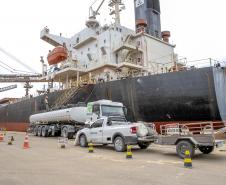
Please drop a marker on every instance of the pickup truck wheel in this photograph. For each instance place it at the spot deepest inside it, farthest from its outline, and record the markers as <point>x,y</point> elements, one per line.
<point>83,141</point>
<point>119,144</point>
<point>206,149</point>
<point>143,145</point>
<point>181,148</point>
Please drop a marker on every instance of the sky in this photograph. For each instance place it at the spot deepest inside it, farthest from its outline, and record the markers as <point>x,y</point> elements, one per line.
<point>197,27</point>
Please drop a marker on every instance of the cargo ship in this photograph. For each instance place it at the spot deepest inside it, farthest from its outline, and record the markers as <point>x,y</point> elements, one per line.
<point>138,68</point>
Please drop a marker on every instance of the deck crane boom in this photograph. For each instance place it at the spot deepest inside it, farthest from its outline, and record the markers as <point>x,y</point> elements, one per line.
<point>94,13</point>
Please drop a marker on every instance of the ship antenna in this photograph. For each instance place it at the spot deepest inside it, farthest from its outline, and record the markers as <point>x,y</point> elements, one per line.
<point>116,7</point>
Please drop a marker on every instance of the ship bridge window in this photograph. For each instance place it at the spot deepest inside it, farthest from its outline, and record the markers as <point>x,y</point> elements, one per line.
<point>156,33</point>
<point>77,40</point>
<point>103,51</point>
<point>89,57</point>
<point>116,58</point>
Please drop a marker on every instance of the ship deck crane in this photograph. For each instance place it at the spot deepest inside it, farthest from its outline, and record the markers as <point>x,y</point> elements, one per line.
<point>94,13</point>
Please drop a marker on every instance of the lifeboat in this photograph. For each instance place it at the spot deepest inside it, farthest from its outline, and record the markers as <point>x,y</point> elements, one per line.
<point>57,55</point>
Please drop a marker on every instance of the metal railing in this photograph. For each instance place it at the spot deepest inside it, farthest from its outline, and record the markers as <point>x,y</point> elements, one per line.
<point>184,65</point>
<point>191,128</point>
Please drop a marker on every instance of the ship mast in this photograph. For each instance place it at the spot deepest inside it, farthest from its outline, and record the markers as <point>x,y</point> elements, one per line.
<point>117,6</point>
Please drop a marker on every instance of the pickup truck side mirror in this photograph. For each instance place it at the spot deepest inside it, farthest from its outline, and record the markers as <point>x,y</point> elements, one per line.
<point>109,123</point>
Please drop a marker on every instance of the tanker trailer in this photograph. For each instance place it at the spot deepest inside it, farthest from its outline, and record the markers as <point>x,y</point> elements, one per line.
<point>64,122</point>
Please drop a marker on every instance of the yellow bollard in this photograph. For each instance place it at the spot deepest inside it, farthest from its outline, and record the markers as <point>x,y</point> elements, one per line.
<point>90,147</point>
<point>187,160</point>
<point>129,152</point>
<point>10,140</point>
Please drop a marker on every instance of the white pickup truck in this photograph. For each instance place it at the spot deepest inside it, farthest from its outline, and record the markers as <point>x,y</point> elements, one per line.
<point>117,131</point>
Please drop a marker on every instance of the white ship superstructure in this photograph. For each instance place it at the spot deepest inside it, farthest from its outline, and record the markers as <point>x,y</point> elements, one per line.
<point>110,52</point>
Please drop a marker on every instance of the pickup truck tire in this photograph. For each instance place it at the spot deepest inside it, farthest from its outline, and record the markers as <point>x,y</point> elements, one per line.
<point>206,149</point>
<point>83,141</point>
<point>181,148</point>
<point>143,145</point>
<point>119,144</point>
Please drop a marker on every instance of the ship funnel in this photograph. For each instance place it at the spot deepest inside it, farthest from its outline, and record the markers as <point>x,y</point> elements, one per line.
<point>147,15</point>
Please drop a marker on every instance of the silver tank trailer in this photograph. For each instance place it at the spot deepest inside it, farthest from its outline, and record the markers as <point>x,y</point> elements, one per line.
<point>75,114</point>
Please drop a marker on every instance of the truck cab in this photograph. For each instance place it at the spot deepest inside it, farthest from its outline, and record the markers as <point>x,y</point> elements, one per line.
<point>106,108</point>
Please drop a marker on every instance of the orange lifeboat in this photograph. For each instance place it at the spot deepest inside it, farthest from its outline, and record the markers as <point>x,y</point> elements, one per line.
<point>57,55</point>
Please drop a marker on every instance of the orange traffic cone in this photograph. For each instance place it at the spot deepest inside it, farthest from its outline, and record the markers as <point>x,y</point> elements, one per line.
<point>1,137</point>
<point>26,142</point>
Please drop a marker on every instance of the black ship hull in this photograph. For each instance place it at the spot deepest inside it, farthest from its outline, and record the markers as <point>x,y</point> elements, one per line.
<point>188,96</point>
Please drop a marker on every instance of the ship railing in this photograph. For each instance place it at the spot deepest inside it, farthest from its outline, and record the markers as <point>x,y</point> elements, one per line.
<point>184,129</point>
<point>207,62</point>
<point>183,65</point>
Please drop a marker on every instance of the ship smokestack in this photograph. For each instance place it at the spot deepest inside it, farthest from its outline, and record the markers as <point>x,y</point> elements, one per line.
<point>165,36</point>
<point>147,15</point>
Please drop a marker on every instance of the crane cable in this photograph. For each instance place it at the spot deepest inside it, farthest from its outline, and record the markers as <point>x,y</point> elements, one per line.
<point>12,70</point>
<point>17,60</point>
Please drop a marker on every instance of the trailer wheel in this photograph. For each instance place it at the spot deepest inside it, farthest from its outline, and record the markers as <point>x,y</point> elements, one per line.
<point>206,149</point>
<point>181,148</point>
<point>35,131</point>
<point>83,141</point>
<point>119,144</point>
<point>39,131</point>
<point>143,145</point>
<point>44,131</point>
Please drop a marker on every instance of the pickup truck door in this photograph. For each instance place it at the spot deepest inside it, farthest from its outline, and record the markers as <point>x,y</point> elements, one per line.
<point>96,131</point>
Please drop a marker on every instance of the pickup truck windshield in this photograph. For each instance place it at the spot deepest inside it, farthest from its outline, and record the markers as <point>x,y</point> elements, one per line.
<point>112,111</point>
